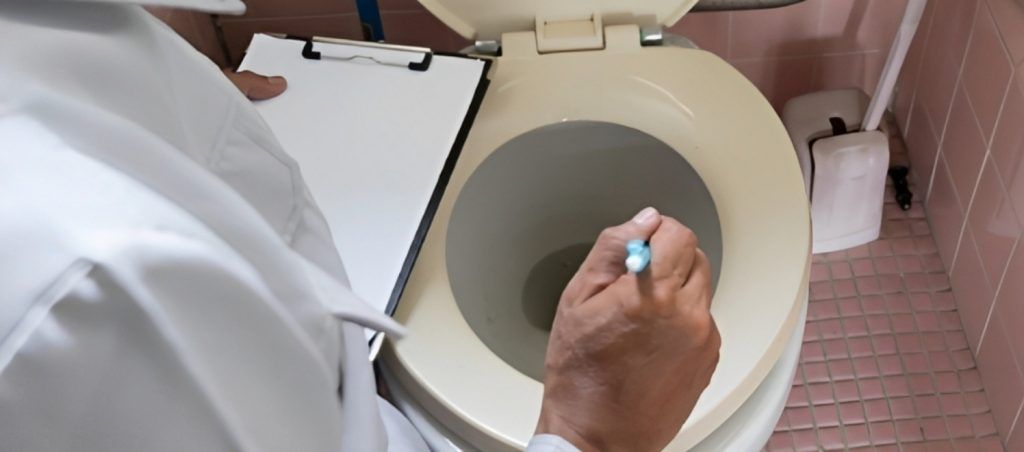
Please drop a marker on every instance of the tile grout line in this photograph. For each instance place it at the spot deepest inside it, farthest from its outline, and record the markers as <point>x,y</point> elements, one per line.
<point>945,130</point>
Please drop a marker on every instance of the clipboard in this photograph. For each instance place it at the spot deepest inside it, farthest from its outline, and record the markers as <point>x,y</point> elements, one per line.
<point>376,130</point>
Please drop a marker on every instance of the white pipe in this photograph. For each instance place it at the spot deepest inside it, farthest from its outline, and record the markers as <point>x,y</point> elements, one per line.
<point>897,54</point>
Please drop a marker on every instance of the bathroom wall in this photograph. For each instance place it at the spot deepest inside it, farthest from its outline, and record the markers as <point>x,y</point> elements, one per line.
<point>961,109</point>
<point>817,44</point>
<point>789,51</point>
<point>814,45</point>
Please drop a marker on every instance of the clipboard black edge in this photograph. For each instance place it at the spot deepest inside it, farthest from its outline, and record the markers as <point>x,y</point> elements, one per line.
<point>442,183</point>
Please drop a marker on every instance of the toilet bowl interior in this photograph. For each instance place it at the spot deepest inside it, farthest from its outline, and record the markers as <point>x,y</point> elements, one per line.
<point>529,213</point>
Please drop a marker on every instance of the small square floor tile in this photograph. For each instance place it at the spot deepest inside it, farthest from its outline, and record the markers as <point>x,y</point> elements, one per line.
<point>927,406</point>
<point>821,393</point>
<point>816,372</point>
<point>866,367</point>
<point>983,424</point>
<point>934,428</point>
<point>841,370</point>
<point>882,433</point>
<point>826,415</point>
<point>952,404</point>
<point>916,363</point>
<point>909,430</point>
<point>797,397</point>
<point>851,413</point>
<point>835,349</point>
<point>857,435</point>
<point>976,402</point>
<point>884,344</point>
<point>805,440</point>
<point>970,380</point>
<point>800,418</point>
<point>846,391</point>
<point>830,438</point>
<point>870,388</point>
<point>956,341</point>
<point>860,347</point>
<point>902,408</point>
<point>921,384</point>
<point>959,427</point>
<point>781,441</point>
<point>877,410</point>
<point>934,341</point>
<point>890,365</point>
<point>909,343</point>
<point>946,382</point>
<point>896,385</point>
<point>873,304</point>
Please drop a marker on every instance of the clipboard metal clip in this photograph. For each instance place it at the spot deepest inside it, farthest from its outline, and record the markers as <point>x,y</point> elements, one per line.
<point>310,53</point>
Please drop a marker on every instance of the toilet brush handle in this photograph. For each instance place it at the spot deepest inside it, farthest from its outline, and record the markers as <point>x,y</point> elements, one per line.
<point>898,53</point>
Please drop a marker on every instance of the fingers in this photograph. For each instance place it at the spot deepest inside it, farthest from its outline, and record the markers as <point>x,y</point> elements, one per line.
<point>673,250</point>
<point>255,86</point>
<point>696,291</point>
<point>606,261</point>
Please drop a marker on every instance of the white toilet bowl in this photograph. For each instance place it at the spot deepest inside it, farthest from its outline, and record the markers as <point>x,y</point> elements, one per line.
<point>565,144</point>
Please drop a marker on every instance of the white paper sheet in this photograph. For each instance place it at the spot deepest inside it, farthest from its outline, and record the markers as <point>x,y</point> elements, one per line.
<point>371,140</point>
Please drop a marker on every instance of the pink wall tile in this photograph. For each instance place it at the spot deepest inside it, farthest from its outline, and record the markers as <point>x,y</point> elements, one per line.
<point>993,223</point>
<point>796,33</point>
<point>857,70</point>
<point>906,85</point>
<point>1009,15</point>
<point>1002,378</point>
<point>1010,303</point>
<point>973,293</point>
<point>923,147</point>
<point>1016,440</point>
<point>710,31</point>
<point>858,25</point>
<point>779,80</point>
<point>943,56</point>
<point>987,71</point>
<point>963,148</point>
<point>1008,144</point>
<point>945,214</point>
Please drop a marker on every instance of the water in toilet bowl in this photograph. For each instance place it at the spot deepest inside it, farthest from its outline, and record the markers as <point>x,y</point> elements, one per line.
<point>530,212</point>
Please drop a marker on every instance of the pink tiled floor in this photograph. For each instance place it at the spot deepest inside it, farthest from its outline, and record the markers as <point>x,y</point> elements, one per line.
<point>885,363</point>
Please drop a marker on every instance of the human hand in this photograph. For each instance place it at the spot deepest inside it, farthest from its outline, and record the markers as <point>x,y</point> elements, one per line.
<point>630,354</point>
<point>256,86</point>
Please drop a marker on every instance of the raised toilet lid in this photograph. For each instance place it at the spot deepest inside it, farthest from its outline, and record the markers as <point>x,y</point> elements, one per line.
<point>487,20</point>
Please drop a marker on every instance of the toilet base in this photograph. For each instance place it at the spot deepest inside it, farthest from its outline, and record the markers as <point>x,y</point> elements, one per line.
<point>748,429</point>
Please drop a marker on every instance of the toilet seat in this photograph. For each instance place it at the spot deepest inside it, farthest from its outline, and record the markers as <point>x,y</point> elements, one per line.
<point>710,114</point>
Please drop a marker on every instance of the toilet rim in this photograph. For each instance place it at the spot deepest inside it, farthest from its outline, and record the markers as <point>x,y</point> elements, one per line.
<point>759,196</point>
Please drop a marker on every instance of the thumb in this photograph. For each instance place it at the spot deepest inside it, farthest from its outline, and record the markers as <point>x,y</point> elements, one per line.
<point>606,261</point>
<point>256,86</point>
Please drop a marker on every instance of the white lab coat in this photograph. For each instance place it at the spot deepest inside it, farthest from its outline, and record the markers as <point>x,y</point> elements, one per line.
<point>166,281</point>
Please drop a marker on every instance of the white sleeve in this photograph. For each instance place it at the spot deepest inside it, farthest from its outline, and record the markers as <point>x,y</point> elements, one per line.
<point>167,345</point>
<point>550,443</point>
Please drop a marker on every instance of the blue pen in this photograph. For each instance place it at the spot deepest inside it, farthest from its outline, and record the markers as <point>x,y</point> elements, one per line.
<point>639,255</point>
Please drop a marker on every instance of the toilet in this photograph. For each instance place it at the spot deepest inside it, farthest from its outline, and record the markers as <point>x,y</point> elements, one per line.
<point>580,127</point>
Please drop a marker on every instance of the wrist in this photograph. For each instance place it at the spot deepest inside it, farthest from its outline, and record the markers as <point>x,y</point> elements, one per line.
<point>551,423</point>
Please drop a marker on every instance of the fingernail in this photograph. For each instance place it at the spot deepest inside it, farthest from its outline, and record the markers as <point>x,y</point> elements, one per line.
<point>645,216</point>
<point>276,80</point>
